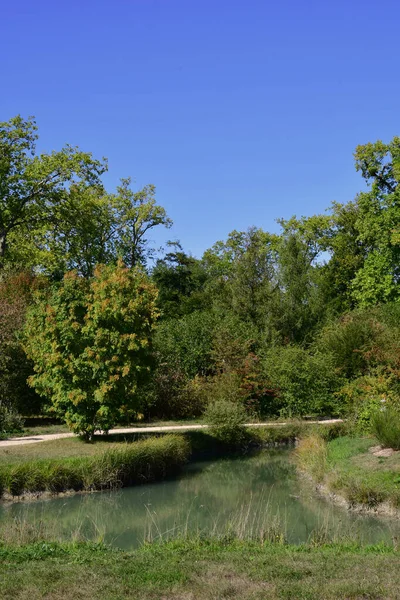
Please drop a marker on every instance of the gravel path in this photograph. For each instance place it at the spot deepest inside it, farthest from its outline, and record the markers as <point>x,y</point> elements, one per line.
<point>34,439</point>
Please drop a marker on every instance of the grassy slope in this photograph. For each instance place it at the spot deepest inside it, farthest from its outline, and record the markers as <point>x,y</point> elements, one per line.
<point>192,570</point>
<point>364,477</point>
<point>346,466</point>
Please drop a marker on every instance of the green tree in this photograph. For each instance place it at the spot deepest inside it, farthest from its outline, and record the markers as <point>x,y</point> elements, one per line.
<point>136,213</point>
<point>90,341</point>
<point>242,274</point>
<point>33,186</point>
<point>181,281</point>
<point>299,306</point>
<point>379,223</point>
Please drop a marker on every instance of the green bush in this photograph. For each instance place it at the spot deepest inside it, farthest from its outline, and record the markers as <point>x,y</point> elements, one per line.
<point>10,421</point>
<point>171,394</point>
<point>386,427</point>
<point>226,420</point>
<point>133,463</point>
<point>305,383</point>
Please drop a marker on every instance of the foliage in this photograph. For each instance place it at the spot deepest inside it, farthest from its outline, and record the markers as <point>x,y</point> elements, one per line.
<point>10,421</point>
<point>307,319</point>
<point>226,419</point>
<point>16,289</point>
<point>348,339</point>
<point>379,222</point>
<point>305,383</point>
<point>33,186</point>
<point>364,345</point>
<point>386,426</point>
<point>170,394</point>
<point>57,216</point>
<point>139,462</point>
<point>91,345</point>
<point>180,280</point>
<point>187,342</point>
<point>136,214</point>
<point>242,275</point>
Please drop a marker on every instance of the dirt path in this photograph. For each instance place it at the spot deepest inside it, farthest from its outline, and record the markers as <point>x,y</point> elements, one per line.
<point>34,439</point>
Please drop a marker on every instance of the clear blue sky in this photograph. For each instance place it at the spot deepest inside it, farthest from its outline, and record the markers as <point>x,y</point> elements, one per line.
<point>238,111</point>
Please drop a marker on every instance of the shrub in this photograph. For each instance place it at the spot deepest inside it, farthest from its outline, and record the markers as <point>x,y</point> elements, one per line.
<point>187,342</point>
<point>386,426</point>
<point>363,397</point>
<point>226,420</point>
<point>10,421</point>
<point>171,395</point>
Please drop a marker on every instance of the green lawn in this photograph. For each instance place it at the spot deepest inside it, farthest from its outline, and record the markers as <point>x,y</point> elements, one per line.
<point>185,570</point>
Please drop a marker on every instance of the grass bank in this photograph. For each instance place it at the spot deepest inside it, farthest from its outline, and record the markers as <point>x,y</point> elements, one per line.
<point>199,569</point>
<point>345,466</point>
<point>72,465</point>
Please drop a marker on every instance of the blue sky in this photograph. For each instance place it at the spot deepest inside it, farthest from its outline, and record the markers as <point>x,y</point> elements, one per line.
<point>239,112</point>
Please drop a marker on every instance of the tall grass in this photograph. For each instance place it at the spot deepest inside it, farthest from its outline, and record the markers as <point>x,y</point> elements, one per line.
<point>139,462</point>
<point>311,456</point>
<point>386,427</point>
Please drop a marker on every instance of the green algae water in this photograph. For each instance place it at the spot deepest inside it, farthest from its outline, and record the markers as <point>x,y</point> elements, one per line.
<point>258,496</point>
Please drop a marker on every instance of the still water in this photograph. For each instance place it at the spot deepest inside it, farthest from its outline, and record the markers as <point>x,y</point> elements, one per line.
<point>246,496</point>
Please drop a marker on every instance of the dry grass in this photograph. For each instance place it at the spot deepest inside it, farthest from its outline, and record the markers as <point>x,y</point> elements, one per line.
<point>311,456</point>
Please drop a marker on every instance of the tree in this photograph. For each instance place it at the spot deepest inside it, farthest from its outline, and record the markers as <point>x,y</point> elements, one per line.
<point>299,305</point>
<point>136,213</point>
<point>379,223</point>
<point>32,186</point>
<point>90,341</point>
<point>181,280</point>
<point>242,274</point>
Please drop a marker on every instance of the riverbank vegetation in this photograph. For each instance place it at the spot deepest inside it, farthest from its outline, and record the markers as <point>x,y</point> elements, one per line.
<point>118,465</point>
<point>200,569</point>
<point>98,329</point>
<point>110,462</point>
<point>354,468</point>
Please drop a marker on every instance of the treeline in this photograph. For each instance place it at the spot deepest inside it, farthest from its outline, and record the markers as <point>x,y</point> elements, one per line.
<point>96,330</point>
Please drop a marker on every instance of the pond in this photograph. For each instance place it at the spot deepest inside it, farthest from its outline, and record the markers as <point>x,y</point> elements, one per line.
<point>250,496</point>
